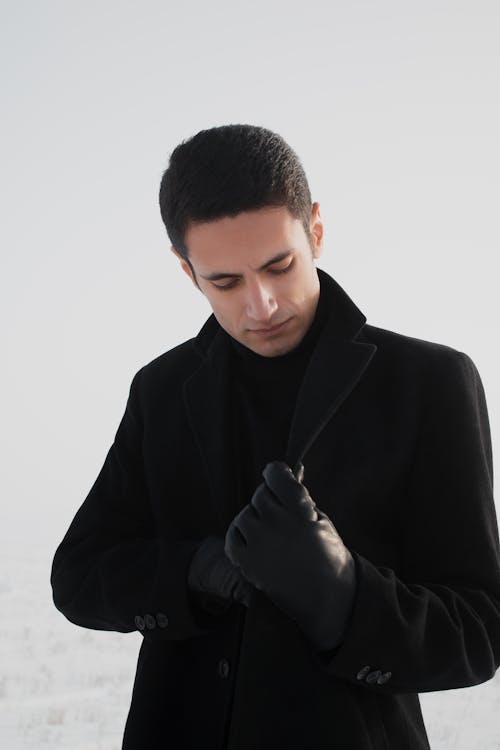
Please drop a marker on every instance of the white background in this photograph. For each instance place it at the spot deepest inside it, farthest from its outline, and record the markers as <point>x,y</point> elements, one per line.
<point>392,107</point>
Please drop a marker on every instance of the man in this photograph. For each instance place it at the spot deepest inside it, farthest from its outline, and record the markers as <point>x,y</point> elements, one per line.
<point>297,510</point>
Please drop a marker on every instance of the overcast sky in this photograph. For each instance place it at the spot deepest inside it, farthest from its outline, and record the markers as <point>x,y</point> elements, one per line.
<point>393,109</point>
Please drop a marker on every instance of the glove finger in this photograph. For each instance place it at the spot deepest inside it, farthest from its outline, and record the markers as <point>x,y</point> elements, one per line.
<point>225,577</point>
<point>289,491</point>
<point>281,480</point>
<point>225,580</point>
<point>203,561</point>
<point>235,541</point>
<point>243,592</point>
<point>269,508</point>
<point>266,505</point>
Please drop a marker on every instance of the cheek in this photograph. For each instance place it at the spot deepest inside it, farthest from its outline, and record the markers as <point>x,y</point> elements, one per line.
<point>227,314</point>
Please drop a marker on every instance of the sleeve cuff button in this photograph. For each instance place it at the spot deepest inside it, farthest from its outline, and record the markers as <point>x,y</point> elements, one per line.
<point>363,672</point>
<point>139,622</point>
<point>384,677</point>
<point>162,620</point>
<point>150,622</point>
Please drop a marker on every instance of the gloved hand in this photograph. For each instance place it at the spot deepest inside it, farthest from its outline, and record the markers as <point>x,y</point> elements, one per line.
<point>289,549</point>
<point>214,580</point>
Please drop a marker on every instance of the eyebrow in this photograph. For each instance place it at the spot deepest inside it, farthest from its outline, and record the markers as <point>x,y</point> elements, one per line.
<point>221,275</point>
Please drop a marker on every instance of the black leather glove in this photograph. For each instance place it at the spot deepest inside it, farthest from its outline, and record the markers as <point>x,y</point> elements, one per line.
<point>215,582</point>
<point>291,551</point>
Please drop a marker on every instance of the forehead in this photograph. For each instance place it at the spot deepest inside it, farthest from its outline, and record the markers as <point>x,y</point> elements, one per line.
<point>251,238</point>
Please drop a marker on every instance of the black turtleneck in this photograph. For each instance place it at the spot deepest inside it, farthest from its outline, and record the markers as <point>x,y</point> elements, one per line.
<point>264,395</point>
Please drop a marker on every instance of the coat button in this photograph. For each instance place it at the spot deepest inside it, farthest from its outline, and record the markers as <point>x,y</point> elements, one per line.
<point>363,672</point>
<point>162,620</point>
<point>150,622</point>
<point>223,668</point>
<point>139,621</point>
<point>373,676</point>
<point>384,677</point>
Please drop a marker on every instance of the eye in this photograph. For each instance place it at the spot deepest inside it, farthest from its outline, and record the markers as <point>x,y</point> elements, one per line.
<point>233,283</point>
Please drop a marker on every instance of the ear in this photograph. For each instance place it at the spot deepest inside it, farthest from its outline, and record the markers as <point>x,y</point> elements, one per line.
<point>316,230</point>
<point>185,266</point>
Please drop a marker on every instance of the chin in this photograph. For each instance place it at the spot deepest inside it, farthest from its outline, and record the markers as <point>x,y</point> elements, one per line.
<point>277,348</point>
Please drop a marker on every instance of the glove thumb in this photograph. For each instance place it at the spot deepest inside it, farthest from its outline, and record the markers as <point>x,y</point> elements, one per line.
<point>299,471</point>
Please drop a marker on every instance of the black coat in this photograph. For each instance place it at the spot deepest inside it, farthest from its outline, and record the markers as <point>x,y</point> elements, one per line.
<point>394,436</point>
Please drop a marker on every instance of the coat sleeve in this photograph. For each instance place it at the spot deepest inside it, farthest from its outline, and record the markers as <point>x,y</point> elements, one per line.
<point>434,624</point>
<point>112,571</point>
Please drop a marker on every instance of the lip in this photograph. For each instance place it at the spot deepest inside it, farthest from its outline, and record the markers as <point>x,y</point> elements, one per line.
<point>263,331</point>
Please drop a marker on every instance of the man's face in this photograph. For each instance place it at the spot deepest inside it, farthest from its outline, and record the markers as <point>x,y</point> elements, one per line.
<point>246,297</point>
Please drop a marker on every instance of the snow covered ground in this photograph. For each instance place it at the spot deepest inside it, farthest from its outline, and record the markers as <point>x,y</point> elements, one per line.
<point>62,686</point>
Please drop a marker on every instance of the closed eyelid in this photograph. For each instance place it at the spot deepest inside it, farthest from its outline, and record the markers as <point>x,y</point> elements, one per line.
<point>270,270</point>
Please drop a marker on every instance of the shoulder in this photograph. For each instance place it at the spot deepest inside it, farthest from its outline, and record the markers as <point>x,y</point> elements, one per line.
<point>431,361</point>
<point>180,358</point>
<point>166,372</point>
<point>393,343</point>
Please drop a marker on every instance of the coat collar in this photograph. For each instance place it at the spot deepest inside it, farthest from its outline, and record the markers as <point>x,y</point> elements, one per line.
<point>337,363</point>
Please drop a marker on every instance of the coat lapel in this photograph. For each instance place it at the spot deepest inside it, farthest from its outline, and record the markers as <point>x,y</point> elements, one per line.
<point>336,366</point>
<point>208,403</point>
<point>334,370</point>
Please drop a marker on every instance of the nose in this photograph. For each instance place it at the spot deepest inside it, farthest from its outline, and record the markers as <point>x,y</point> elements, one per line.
<point>261,303</point>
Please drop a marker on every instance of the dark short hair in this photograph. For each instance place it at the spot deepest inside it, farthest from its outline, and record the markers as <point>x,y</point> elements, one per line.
<point>224,170</point>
